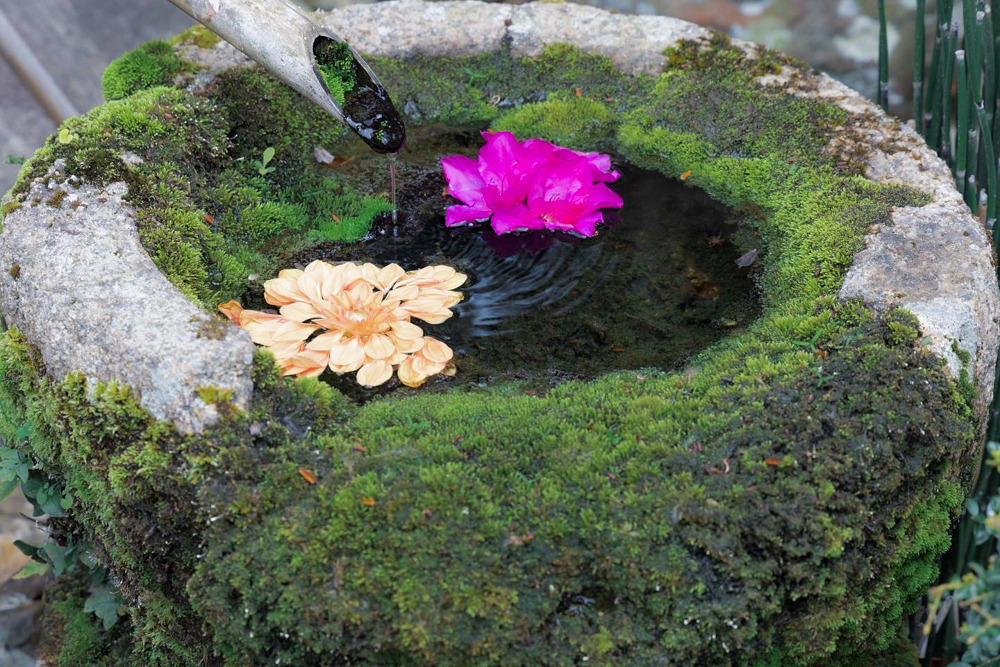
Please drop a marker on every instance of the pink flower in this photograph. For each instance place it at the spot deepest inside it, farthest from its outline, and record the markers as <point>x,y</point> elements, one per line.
<point>493,184</point>
<point>529,186</point>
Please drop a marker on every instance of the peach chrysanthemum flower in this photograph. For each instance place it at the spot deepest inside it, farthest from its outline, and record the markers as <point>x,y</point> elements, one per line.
<point>355,318</point>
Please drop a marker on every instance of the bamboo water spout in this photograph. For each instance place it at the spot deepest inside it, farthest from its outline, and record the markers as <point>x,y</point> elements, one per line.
<point>286,42</point>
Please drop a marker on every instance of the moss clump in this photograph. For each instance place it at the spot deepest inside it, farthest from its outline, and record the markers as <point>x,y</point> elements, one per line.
<point>564,120</point>
<point>197,35</point>
<point>336,65</point>
<point>56,200</point>
<point>10,207</point>
<point>773,505</point>
<point>152,64</point>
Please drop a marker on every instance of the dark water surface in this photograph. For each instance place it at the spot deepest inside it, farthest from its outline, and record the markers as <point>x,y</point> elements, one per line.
<point>656,286</point>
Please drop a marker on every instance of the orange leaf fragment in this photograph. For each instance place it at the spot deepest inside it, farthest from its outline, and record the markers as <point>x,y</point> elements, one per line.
<point>579,92</point>
<point>618,349</point>
<point>772,461</point>
<point>686,174</point>
<point>368,502</point>
<point>209,219</point>
<point>307,475</point>
<point>360,448</point>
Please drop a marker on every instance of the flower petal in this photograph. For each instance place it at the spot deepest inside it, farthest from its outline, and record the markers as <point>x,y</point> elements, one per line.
<point>294,331</point>
<point>406,330</point>
<point>299,311</point>
<point>408,376</point>
<point>232,310</point>
<point>388,275</point>
<point>379,346</point>
<point>347,352</point>
<point>515,219</point>
<point>456,216</point>
<point>374,373</point>
<point>436,351</point>
<point>325,342</point>
<point>464,180</point>
<point>586,226</point>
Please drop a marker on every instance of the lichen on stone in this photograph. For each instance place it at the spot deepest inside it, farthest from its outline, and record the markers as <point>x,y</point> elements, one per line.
<point>782,501</point>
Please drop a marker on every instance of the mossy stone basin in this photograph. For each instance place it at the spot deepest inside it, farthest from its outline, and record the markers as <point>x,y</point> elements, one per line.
<point>780,499</point>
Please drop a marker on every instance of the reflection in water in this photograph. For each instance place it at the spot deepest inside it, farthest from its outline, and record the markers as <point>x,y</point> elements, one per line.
<point>507,287</point>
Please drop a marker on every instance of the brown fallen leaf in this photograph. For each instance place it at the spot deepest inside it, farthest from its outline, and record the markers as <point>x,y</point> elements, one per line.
<point>772,461</point>
<point>209,219</point>
<point>307,475</point>
<point>328,159</point>
<point>518,540</point>
<point>579,92</point>
<point>368,502</point>
<point>686,175</point>
<point>618,349</point>
<point>360,448</point>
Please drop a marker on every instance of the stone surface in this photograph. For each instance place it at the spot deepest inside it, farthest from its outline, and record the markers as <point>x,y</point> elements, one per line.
<point>634,43</point>
<point>78,284</point>
<point>409,28</point>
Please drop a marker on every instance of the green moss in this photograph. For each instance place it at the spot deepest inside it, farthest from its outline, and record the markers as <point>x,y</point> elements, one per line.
<point>336,65</point>
<point>215,396</point>
<point>773,505</point>
<point>10,207</point>
<point>197,35</point>
<point>15,271</point>
<point>567,121</point>
<point>152,64</point>
<point>56,200</point>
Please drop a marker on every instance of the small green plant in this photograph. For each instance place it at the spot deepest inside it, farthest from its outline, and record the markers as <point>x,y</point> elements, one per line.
<point>261,165</point>
<point>473,77</point>
<point>65,136</point>
<point>15,159</point>
<point>49,497</point>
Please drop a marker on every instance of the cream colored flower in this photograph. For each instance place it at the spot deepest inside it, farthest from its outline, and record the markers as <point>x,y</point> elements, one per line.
<point>363,317</point>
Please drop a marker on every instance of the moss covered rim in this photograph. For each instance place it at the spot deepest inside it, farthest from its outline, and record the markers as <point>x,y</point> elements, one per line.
<point>782,502</point>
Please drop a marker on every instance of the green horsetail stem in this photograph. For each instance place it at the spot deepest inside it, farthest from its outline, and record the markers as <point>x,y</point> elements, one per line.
<point>962,136</point>
<point>948,78</point>
<point>918,66</point>
<point>883,58</point>
<point>975,67</point>
<point>932,80</point>
<point>938,134</point>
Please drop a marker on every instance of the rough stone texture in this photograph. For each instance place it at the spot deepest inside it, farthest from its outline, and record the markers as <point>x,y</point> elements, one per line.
<point>634,43</point>
<point>79,285</point>
<point>409,28</point>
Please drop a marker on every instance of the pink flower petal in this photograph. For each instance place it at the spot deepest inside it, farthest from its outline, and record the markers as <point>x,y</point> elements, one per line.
<point>456,216</point>
<point>464,180</point>
<point>587,225</point>
<point>516,219</point>
<point>601,196</point>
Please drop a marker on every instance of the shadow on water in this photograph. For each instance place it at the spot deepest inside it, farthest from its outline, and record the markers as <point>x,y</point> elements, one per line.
<point>654,287</point>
